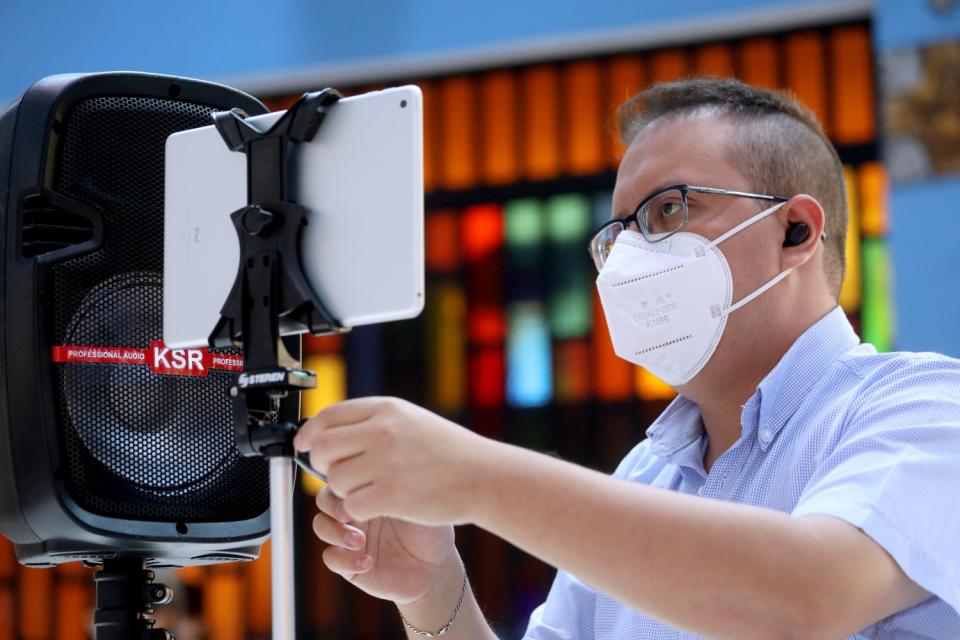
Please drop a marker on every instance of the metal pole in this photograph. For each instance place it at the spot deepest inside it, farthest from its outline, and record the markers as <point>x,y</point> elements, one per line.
<point>281,534</point>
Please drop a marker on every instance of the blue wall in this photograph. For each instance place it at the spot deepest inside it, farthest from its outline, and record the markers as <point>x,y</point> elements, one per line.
<point>926,249</point>
<point>214,40</point>
<point>925,235</point>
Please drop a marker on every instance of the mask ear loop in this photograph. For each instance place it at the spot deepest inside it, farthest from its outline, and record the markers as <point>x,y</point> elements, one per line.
<point>737,229</point>
<point>774,280</point>
<point>746,223</point>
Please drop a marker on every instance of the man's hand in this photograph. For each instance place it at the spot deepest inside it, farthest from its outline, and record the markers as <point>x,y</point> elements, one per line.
<point>387,558</point>
<point>393,470</point>
<point>388,457</point>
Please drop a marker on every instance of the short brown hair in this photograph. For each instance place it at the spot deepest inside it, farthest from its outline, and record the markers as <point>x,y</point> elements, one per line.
<point>780,146</point>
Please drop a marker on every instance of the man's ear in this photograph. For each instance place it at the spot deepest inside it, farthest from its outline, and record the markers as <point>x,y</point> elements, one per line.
<point>803,229</point>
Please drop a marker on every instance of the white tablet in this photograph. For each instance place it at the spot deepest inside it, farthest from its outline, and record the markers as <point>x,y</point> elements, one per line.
<point>361,181</point>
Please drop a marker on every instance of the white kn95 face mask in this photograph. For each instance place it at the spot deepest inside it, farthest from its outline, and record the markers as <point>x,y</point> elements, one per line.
<point>666,303</point>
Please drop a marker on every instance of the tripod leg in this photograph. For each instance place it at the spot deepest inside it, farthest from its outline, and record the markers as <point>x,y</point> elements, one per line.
<point>281,534</point>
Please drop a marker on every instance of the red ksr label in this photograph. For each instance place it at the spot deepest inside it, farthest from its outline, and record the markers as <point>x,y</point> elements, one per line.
<point>161,359</point>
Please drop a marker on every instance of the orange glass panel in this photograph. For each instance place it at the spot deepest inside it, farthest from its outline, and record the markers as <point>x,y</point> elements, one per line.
<point>487,375</point>
<point>8,614</point>
<point>8,572</point>
<point>853,100</point>
<point>457,144</point>
<point>331,372</point>
<point>74,609</point>
<point>668,65</point>
<point>873,199</point>
<point>612,376</point>
<point>8,561</point>
<point>499,113</point>
<point>481,231</point>
<point>74,570</point>
<point>443,241</point>
<point>758,62</point>
<point>572,370</point>
<point>446,348</point>
<point>322,344</point>
<point>431,127</point>
<point>541,123</point>
<point>806,73</point>
<point>258,592</point>
<point>714,60</point>
<point>36,598</point>
<point>650,387</point>
<point>280,103</point>
<point>851,290</point>
<point>223,603</point>
<point>584,128</point>
<point>625,78</point>
<point>192,576</point>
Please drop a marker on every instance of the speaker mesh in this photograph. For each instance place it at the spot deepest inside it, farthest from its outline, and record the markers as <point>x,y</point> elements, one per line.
<point>139,446</point>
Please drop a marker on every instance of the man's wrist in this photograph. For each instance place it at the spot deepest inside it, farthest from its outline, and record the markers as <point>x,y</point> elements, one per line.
<point>435,608</point>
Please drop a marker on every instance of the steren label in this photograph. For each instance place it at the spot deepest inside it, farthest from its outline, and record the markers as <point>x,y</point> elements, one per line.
<point>247,379</point>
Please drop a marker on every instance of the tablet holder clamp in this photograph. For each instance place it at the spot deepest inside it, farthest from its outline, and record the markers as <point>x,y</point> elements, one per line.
<point>270,296</point>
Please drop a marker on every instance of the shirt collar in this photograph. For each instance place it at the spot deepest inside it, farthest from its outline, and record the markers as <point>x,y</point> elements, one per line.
<point>779,393</point>
<point>803,365</point>
<point>676,428</point>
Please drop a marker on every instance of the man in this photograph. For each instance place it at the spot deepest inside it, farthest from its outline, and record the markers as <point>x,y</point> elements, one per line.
<point>800,486</point>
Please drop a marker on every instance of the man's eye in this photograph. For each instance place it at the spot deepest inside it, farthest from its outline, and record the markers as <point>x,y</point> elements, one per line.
<point>667,209</point>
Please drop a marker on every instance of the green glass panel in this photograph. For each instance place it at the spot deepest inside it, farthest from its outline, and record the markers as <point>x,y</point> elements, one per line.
<point>568,218</point>
<point>570,310</point>
<point>569,269</point>
<point>524,222</point>
<point>876,320</point>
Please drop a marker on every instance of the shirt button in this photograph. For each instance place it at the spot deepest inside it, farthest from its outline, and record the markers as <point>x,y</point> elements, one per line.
<point>766,436</point>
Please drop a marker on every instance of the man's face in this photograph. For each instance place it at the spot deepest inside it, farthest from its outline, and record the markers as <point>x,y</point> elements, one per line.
<point>690,150</point>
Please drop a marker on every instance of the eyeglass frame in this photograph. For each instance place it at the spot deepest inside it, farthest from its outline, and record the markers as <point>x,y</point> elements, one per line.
<point>683,188</point>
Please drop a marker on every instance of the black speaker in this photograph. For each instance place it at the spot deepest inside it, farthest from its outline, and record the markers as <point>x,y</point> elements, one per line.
<point>110,443</point>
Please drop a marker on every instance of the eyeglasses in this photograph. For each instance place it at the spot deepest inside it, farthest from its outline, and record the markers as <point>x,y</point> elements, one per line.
<point>660,215</point>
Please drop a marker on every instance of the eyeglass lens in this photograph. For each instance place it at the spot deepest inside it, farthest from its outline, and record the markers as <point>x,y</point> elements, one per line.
<point>663,215</point>
<point>602,243</point>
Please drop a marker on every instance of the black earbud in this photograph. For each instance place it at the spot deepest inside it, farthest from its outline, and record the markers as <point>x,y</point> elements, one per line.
<point>797,233</point>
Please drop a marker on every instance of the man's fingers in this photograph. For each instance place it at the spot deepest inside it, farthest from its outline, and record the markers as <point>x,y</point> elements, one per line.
<point>347,475</point>
<point>336,533</point>
<point>331,445</point>
<point>346,563</point>
<point>331,505</point>
<point>337,415</point>
<point>369,501</point>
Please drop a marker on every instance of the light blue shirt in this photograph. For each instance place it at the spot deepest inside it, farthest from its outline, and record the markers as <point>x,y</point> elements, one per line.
<point>835,428</point>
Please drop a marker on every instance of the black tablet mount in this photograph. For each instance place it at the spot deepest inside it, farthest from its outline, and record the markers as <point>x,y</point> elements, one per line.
<point>270,293</point>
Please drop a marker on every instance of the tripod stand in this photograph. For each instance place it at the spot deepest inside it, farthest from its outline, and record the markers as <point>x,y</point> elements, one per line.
<point>126,595</point>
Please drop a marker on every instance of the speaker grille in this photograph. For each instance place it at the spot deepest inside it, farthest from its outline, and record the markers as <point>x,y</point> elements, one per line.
<point>139,446</point>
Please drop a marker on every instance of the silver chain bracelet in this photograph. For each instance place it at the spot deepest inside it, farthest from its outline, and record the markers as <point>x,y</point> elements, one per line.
<point>443,630</point>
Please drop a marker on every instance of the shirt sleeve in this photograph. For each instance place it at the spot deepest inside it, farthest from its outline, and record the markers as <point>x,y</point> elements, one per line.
<point>895,472</point>
<point>567,614</point>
